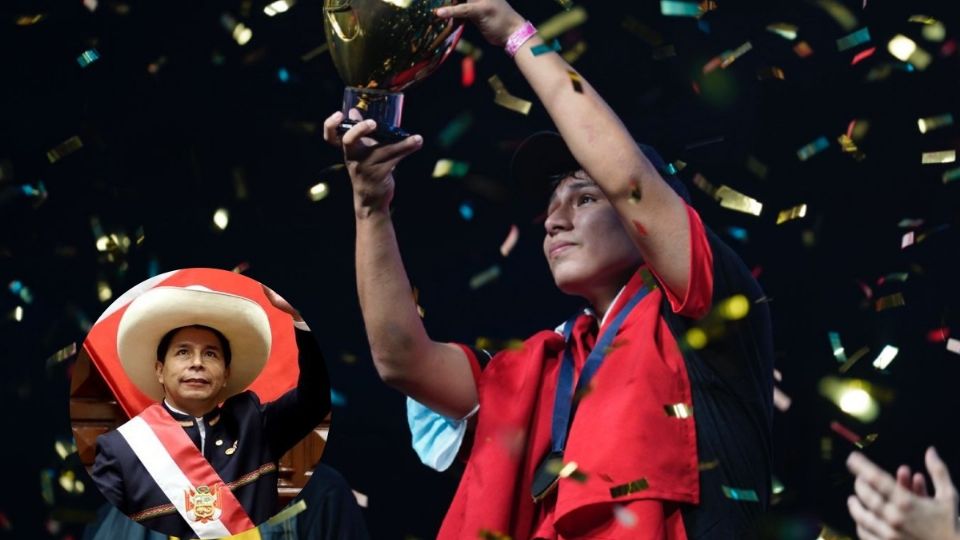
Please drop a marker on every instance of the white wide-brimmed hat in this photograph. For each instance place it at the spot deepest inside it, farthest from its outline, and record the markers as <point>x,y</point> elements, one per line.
<point>154,313</point>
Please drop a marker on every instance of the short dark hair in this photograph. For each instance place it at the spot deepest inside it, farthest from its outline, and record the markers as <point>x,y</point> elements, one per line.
<point>164,345</point>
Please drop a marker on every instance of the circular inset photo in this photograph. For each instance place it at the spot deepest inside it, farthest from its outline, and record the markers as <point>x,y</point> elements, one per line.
<point>200,405</point>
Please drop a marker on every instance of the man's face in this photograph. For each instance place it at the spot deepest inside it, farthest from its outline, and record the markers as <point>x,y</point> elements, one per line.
<point>586,244</point>
<point>194,370</point>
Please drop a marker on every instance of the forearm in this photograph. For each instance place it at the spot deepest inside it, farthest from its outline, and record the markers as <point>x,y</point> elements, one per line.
<point>394,329</point>
<point>313,383</point>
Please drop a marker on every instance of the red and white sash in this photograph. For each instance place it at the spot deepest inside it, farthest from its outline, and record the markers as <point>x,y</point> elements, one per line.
<point>184,475</point>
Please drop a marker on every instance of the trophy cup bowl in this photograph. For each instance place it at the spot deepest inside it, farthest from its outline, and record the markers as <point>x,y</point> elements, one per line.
<point>380,47</point>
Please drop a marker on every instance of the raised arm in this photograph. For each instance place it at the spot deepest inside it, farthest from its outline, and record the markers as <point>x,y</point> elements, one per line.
<point>435,374</point>
<point>651,211</point>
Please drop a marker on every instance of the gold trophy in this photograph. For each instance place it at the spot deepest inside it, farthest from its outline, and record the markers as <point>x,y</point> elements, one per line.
<point>381,47</point>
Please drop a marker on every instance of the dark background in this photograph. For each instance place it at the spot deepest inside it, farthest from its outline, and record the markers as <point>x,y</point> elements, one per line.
<point>215,126</point>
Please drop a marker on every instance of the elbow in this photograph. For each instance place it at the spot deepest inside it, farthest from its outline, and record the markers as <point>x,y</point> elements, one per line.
<point>390,369</point>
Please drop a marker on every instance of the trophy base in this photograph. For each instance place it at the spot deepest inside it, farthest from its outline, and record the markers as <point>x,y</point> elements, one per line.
<point>383,134</point>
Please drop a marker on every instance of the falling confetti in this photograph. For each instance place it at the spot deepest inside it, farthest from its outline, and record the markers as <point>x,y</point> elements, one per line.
<point>449,167</point>
<point>318,191</point>
<point>857,355</point>
<point>67,352</point>
<point>859,37</point>
<point>941,156</point>
<point>812,149</point>
<point>738,494</point>
<point>953,345</point>
<point>503,98</point>
<point>64,149</point>
<point>931,123</point>
<point>679,9</point>
<point>628,488</point>
<point>481,279</point>
<point>784,30</point>
<point>790,214</point>
<point>452,132</point>
<point>734,200</point>
<point>561,23</point>
<point>88,57</point>
<point>679,410</point>
<point>886,356</point>
<point>853,438</point>
<point>890,301</point>
<point>510,241</point>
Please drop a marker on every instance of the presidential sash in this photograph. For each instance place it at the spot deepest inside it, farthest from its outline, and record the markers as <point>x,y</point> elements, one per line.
<point>184,475</point>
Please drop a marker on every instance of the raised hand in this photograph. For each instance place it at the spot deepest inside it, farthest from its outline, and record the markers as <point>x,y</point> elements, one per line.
<point>370,164</point>
<point>495,19</point>
<point>280,303</point>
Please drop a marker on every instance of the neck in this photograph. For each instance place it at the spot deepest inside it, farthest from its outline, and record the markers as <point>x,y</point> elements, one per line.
<point>601,297</point>
<point>196,410</point>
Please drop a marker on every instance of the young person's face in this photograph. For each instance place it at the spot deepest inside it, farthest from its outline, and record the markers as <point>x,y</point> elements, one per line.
<point>194,370</point>
<point>586,244</point>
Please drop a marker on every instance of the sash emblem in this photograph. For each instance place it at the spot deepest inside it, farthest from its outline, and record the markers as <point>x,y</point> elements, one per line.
<point>203,505</point>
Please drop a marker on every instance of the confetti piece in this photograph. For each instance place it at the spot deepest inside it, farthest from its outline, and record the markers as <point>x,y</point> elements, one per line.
<point>466,211</point>
<point>544,48</point>
<point>781,400</point>
<point>679,410</point>
<point>626,489</point>
<point>486,534</point>
<point>840,13</point>
<point>88,57</point>
<point>803,49</point>
<point>907,240</point>
<point>857,355</point>
<point>847,146</point>
<point>64,149</point>
<point>859,37</point>
<point>452,132</point>
<point>886,356</point>
<point>18,288</point>
<point>737,494</point>
<point>938,335</point>
<point>466,48</point>
<point>576,80</point>
<point>784,30</point>
<point>953,345</point>
<point>790,214</point>
<point>337,398</point>
<point>838,351</point>
<point>890,301</point>
<point>734,200</point>
<point>624,516</point>
<point>862,55</point>
<point>104,292</point>
<point>241,268</point>
<point>730,57</point>
<point>931,123</point>
<point>942,156</point>
<point>481,279</point>
<point>62,354</point>
<point>565,4</point>
<point>695,338</point>
<point>288,512</point>
<point>813,148</point>
<point>574,53</point>
<point>951,175</point>
<point>857,440</point>
<point>826,533</point>
<point>770,72</point>
<point>738,233</point>
<point>679,9</point>
<point>221,218</point>
<point>29,20</point>
<point>510,241</point>
<point>318,192</point>
<point>561,22</point>
<point>64,448</point>
<point>275,8</point>
<point>901,47</point>
<point>449,167</point>
<point>708,465</point>
<point>46,485</point>
<point>503,98</point>
<point>468,72</point>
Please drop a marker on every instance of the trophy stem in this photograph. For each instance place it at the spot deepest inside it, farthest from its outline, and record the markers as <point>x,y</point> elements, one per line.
<point>385,107</point>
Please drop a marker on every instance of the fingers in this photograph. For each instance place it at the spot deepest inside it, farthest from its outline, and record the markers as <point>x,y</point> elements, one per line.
<point>330,128</point>
<point>399,150</point>
<point>460,11</point>
<point>919,486</point>
<point>869,526</point>
<point>355,115</point>
<point>940,475</point>
<point>877,478</point>
<point>358,131</point>
<point>869,496</point>
<point>903,476</point>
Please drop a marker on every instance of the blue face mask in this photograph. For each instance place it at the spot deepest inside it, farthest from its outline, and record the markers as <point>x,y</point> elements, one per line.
<point>436,438</point>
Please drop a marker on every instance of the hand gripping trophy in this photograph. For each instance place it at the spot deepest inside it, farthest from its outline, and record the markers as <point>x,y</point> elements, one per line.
<point>379,48</point>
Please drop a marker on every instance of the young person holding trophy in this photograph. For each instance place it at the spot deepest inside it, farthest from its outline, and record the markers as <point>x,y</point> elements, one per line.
<point>613,425</point>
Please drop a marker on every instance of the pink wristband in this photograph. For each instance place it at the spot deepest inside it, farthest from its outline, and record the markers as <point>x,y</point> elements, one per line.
<point>519,37</point>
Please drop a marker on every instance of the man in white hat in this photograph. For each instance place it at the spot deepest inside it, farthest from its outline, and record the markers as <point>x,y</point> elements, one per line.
<point>185,466</point>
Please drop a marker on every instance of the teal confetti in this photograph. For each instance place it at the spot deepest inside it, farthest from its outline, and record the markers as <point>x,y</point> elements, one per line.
<point>283,75</point>
<point>813,148</point>
<point>337,399</point>
<point>738,233</point>
<point>455,129</point>
<point>88,57</point>
<point>951,175</point>
<point>679,9</point>
<point>740,494</point>
<point>466,211</point>
<point>859,37</point>
<point>544,48</point>
<point>838,352</point>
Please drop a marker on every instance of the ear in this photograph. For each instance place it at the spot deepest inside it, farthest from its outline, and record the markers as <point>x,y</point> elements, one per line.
<point>158,368</point>
<point>226,375</point>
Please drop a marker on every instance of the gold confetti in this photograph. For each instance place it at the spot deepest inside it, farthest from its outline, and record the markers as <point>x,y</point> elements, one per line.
<point>679,410</point>
<point>29,20</point>
<point>561,22</point>
<point>803,49</point>
<point>708,465</point>
<point>890,301</point>
<point>241,268</point>
<point>104,292</point>
<point>505,99</point>
<point>576,80</point>
<point>481,279</point>
<point>62,354</point>
<point>275,8</point>
<point>626,489</point>
<point>574,53</point>
<point>860,353</point>
<point>784,30</point>
<point>942,156</point>
<point>486,534</point>
<point>734,200</point>
<point>64,448</point>
<point>931,123</point>
<point>318,192</point>
<point>510,241</point>
<point>826,533</point>
<point>449,167</point>
<point>64,149</point>
<point>840,13</point>
<point>770,72</point>
<point>789,214</point>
